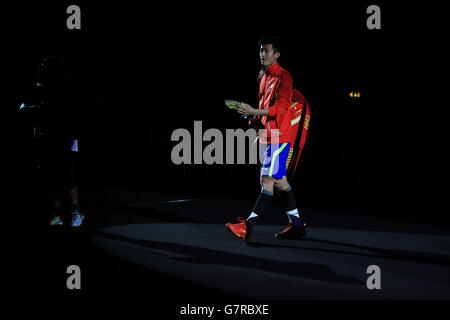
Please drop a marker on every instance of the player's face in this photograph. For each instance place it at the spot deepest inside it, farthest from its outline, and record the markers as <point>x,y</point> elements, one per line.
<point>267,55</point>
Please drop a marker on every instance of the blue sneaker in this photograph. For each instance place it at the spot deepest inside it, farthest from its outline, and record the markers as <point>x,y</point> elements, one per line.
<point>77,218</point>
<point>56,221</point>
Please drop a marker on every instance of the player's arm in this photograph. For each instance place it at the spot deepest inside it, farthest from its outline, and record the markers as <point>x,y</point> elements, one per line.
<point>32,100</point>
<point>246,110</point>
<point>281,104</point>
<point>25,107</point>
<point>279,107</point>
<point>261,112</point>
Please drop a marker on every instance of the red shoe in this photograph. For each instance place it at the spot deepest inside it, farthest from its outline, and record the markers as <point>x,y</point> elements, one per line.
<point>291,232</point>
<point>240,229</point>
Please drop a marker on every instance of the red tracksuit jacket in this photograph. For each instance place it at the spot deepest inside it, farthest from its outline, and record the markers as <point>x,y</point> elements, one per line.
<point>275,92</point>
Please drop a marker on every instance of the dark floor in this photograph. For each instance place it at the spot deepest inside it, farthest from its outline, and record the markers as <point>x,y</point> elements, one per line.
<point>139,244</point>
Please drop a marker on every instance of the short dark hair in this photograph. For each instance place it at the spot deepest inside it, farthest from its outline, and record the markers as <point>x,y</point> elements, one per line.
<point>273,40</point>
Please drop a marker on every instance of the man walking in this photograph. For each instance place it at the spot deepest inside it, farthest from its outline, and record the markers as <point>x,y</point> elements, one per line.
<point>275,92</point>
<point>51,109</point>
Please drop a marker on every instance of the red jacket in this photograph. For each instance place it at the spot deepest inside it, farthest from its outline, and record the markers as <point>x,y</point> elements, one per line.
<point>275,92</point>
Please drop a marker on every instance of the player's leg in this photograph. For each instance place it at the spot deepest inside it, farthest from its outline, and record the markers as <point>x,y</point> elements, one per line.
<point>244,227</point>
<point>288,201</point>
<point>58,212</point>
<point>77,214</point>
<point>273,168</point>
<point>52,175</point>
<point>263,203</point>
<point>296,227</point>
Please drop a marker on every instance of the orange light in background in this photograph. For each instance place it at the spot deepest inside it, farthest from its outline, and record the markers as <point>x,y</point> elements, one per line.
<point>354,94</point>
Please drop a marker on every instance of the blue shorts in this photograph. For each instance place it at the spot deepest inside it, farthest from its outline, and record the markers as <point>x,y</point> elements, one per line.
<point>274,159</point>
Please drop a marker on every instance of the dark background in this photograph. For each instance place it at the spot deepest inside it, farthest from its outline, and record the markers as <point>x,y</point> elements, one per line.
<point>148,70</point>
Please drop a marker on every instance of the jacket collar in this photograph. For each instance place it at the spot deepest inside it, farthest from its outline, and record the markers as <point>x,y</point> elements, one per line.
<point>273,69</point>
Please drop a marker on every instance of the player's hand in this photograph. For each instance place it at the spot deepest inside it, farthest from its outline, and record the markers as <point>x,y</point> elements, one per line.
<point>246,110</point>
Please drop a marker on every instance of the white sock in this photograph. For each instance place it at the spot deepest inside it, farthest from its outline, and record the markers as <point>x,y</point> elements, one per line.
<point>293,213</point>
<point>252,219</point>
<point>294,217</point>
<point>252,215</point>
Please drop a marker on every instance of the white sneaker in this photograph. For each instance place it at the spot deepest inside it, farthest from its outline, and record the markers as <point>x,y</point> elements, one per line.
<point>77,219</point>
